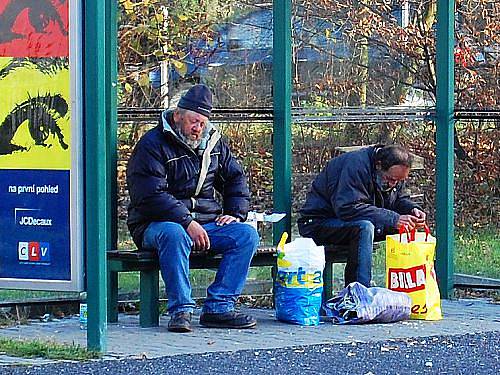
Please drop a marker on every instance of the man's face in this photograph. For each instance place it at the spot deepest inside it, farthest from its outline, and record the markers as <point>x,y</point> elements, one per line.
<point>191,124</point>
<point>389,179</point>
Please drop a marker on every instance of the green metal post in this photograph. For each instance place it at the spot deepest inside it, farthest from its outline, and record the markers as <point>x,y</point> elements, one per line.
<point>282,96</point>
<point>111,113</point>
<point>444,145</point>
<point>96,96</point>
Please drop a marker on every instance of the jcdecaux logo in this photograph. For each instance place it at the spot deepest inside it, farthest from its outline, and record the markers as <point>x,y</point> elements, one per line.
<point>31,217</point>
<point>33,251</point>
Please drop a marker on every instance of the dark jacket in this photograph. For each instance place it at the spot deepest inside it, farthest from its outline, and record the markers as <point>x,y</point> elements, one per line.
<point>346,189</point>
<point>163,173</point>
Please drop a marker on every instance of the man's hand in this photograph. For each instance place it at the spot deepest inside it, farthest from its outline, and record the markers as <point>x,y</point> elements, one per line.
<point>421,217</point>
<point>225,219</point>
<point>409,221</point>
<point>199,236</point>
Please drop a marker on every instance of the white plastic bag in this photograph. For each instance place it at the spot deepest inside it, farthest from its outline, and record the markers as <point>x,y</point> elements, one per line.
<point>299,282</point>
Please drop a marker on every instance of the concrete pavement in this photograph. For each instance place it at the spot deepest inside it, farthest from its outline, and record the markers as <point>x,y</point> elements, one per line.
<point>127,340</point>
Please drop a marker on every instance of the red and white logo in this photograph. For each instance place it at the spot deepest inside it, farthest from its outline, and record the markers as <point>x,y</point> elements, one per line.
<point>34,251</point>
<point>407,279</point>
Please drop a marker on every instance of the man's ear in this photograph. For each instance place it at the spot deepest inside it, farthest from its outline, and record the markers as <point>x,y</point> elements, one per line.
<point>177,116</point>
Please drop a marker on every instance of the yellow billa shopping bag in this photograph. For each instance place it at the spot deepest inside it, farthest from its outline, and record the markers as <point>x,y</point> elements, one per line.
<point>410,269</point>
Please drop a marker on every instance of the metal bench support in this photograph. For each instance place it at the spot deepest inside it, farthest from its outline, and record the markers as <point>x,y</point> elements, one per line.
<point>149,292</point>
<point>112,297</point>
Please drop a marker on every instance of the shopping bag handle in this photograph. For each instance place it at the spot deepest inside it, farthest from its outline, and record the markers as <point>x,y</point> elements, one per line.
<point>404,229</point>
<point>410,235</point>
<point>427,231</point>
<point>281,243</point>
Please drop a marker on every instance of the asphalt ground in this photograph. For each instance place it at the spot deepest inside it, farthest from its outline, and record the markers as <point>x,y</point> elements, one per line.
<point>458,354</point>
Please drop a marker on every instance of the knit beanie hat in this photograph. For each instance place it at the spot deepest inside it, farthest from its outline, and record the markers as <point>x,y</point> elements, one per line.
<point>197,99</point>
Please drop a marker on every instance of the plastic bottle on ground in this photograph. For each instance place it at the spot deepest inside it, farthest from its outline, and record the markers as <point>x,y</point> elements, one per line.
<point>83,311</point>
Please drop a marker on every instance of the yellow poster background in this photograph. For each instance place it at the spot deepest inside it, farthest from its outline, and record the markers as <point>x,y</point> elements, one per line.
<point>21,85</point>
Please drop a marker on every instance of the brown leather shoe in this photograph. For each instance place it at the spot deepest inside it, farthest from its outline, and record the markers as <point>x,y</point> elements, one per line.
<point>230,319</point>
<point>180,322</point>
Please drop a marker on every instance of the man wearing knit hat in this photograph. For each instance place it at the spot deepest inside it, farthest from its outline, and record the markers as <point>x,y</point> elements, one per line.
<point>172,176</point>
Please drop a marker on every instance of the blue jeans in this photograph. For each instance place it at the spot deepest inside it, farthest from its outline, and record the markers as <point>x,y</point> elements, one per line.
<point>237,243</point>
<point>358,235</point>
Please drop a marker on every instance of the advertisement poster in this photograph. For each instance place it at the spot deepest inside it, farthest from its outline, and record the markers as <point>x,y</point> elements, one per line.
<point>39,162</point>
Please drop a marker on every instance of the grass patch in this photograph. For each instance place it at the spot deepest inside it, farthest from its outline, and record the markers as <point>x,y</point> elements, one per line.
<point>15,294</point>
<point>129,281</point>
<point>259,273</point>
<point>477,252</point>
<point>47,350</point>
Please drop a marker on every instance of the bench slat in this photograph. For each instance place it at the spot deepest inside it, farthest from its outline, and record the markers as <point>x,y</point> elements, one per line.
<point>145,255</point>
<point>136,260</point>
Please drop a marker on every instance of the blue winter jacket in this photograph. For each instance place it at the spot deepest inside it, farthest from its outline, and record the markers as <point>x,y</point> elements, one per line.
<point>163,173</point>
<point>346,189</point>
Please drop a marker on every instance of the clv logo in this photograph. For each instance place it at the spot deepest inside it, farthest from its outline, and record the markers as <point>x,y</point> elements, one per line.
<point>33,251</point>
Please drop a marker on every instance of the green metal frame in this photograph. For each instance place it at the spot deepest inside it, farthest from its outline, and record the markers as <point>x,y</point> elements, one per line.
<point>100,74</point>
<point>444,145</point>
<point>111,115</point>
<point>282,105</point>
<point>100,134</point>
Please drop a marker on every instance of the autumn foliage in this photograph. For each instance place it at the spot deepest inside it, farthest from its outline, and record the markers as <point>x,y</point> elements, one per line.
<point>390,60</point>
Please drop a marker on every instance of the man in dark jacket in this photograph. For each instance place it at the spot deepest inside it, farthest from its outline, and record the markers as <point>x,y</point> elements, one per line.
<point>173,176</point>
<point>358,197</point>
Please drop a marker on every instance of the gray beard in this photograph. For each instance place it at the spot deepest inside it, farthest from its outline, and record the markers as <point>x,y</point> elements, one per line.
<point>193,144</point>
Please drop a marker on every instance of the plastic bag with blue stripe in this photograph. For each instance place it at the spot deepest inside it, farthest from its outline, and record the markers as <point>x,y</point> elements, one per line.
<point>299,282</point>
